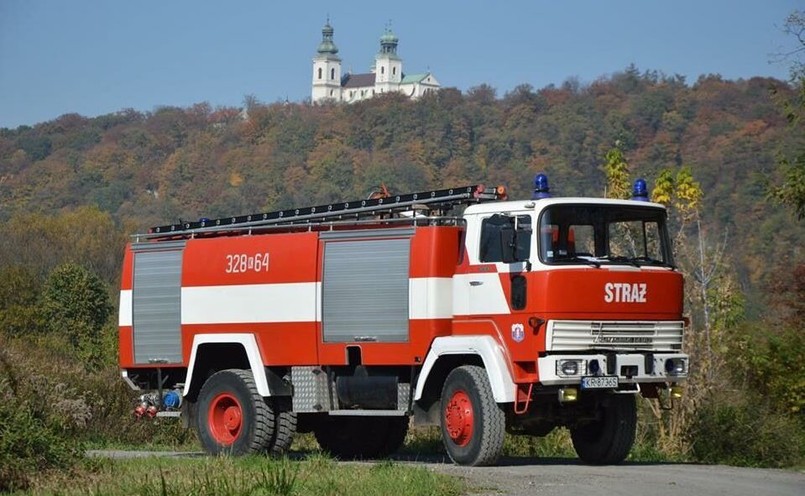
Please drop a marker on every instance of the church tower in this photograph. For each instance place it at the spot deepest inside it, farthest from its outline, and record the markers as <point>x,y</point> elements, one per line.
<point>388,66</point>
<point>326,68</point>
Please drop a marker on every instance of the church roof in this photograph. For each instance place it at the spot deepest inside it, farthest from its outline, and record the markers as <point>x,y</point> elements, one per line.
<point>358,80</point>
<point>414,78</point>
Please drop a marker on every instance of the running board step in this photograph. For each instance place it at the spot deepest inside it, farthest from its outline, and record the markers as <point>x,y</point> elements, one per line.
<point>369,413</point>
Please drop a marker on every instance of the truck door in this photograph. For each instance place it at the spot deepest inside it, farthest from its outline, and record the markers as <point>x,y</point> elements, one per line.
<point>506,240</point>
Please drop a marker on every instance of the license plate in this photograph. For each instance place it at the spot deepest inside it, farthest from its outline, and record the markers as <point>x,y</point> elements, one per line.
<point>605,382</point>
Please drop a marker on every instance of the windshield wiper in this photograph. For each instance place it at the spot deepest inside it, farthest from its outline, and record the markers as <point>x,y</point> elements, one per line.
<point>652,261</point>
<point>586,260</point>
<point>621,259</point>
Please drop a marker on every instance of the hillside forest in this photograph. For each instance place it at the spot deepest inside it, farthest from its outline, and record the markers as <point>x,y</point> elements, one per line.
<point>716,151</point>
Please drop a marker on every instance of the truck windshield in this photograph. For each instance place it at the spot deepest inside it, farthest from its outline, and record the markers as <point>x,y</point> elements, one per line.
<point>604,234</point>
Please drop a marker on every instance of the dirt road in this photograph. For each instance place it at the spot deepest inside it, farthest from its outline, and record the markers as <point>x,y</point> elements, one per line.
<point>529,477</point>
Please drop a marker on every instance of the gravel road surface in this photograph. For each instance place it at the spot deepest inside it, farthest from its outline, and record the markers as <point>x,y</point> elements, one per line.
<point>567,477</point>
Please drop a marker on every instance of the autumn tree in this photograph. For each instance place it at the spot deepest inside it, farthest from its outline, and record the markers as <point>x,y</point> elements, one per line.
<point>616,169</point>
<point>792,164</point>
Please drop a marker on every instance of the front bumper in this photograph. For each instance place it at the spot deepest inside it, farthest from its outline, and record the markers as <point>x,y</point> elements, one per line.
<point>630,368</point>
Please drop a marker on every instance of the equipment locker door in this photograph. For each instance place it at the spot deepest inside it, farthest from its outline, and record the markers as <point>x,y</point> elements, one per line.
<point>365,286</point>
<point>157,302</point>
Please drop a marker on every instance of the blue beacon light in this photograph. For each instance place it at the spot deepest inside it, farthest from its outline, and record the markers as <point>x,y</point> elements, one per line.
<point>541,188</point>
<point>640,191</point>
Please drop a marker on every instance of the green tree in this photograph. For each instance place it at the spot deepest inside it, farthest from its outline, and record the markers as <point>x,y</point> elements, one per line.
<point>76,304</point>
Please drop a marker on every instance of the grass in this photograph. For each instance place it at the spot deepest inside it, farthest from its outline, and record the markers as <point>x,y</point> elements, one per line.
<point>427,441</point>
<point>309,473</point>
<point>313,475</point>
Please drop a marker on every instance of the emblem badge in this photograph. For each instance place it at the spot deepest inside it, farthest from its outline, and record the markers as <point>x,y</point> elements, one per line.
<point>518,332</point>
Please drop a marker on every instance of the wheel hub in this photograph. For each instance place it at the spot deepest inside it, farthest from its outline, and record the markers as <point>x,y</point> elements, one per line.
<point>459,418</point>
<point>232,418</point>
<point>225,418</point>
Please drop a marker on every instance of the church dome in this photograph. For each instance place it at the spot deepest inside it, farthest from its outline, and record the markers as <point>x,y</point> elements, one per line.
<point>388,43</point>
<point>389,37</point>
<point>327,45</point>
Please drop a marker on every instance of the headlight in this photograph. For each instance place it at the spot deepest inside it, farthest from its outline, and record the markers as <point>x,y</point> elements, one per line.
<point>569,368</point>
<point>675,366</point>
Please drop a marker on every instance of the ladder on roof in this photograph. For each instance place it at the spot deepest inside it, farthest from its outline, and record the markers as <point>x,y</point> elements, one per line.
<point>441,200</point>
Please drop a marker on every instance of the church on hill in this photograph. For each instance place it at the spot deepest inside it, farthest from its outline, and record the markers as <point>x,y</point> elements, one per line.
<point>330,84</point>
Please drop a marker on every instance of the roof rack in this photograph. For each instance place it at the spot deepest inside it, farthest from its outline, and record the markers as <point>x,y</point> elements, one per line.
<point>441,200</point>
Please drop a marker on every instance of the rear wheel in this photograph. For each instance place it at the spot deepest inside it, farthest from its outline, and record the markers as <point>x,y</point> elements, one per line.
<point>232,416</point>
<point>609,438</point>
<point>284,430</point>
<point>473,425</point>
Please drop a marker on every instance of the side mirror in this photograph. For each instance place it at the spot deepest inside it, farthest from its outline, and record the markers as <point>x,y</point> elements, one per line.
<point>522,245</point>
<point>515,244</point>
<point>508,244</point>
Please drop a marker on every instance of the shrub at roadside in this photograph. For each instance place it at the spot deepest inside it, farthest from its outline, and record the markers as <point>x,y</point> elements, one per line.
<point>51,405</point>
<point>746,432</point>
<point>19,292</point>
<point>34,436</point>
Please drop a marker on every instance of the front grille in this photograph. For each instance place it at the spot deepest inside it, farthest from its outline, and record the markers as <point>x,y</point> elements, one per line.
<point>572,335</point>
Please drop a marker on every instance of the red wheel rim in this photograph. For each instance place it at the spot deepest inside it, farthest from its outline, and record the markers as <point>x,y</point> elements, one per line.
<point>225,418</point>
<point>459,418</point>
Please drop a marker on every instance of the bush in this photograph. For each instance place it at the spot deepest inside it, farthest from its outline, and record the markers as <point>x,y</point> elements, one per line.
<point>51,405</point>
<point>29,445</point>
<point>768,360</point>
<point>19,292</point>
<point>748,433</point>
<point>32,439</point>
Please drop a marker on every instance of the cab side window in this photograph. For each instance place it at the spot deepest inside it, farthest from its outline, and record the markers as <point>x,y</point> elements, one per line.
<point>504,235</point>
<point>491,249</point>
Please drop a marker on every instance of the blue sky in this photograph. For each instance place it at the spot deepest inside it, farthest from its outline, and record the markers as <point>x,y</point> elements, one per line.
<point>95,57</point>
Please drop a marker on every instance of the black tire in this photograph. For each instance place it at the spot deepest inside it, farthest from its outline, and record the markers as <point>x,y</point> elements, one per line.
<point>361,437</point>
<point>473,426</point>
<point>608,439</point>
<point>232,416</point>
<point>284,430</point>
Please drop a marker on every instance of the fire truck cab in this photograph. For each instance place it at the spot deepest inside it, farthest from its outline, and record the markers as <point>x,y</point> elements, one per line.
<point>347,320</point>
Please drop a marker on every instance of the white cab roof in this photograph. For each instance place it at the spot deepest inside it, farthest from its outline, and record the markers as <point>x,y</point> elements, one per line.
<point>525,205</point>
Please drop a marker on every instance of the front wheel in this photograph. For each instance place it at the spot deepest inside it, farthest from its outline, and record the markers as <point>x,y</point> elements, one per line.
<point>609,438</point>
<point>473,425</point>
<point>232,416</point>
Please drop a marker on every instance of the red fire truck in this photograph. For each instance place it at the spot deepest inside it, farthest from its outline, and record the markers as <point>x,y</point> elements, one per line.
<point>348,319</point>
